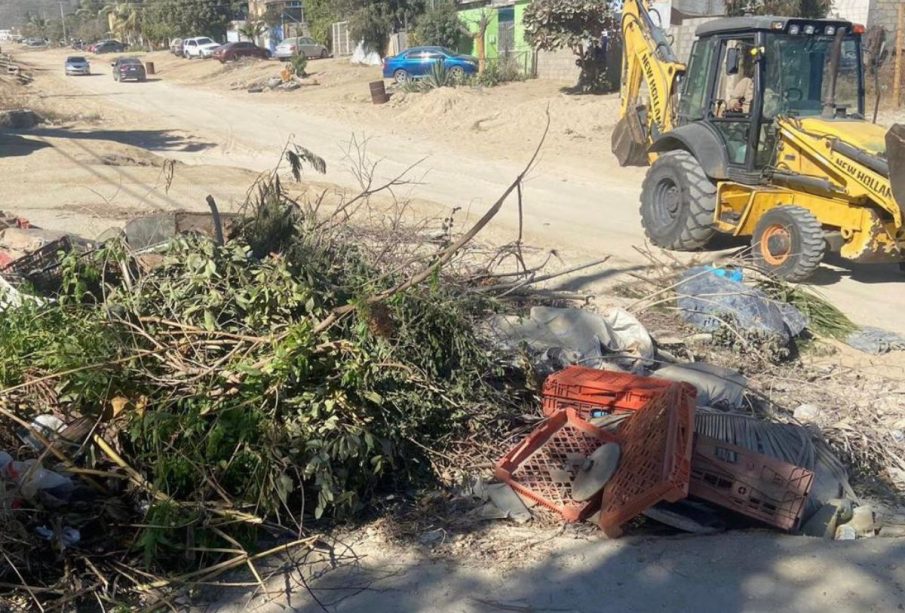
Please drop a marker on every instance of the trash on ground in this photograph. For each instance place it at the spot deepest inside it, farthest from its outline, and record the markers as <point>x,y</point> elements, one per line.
<point>155,230</point>
<point>614,445</point>
<point>717,386</point>
<point>713,302</point>
<point>875,340</point>
<point>559,337</point>
<point>688,516</point>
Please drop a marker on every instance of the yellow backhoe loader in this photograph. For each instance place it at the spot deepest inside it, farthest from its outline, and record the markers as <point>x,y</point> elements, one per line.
<point>761,135</point>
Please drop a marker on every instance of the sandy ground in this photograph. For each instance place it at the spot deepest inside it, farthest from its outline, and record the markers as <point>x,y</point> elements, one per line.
<point>733,572</point>
<point>462,148</point>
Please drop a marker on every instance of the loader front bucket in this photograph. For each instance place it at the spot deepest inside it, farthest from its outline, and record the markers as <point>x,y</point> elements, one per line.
<point>895,158</point>
<point>628,142</point>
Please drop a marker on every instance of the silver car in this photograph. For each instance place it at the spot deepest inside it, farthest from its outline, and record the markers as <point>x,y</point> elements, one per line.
<point>77,65</point>
<point>298,46</point>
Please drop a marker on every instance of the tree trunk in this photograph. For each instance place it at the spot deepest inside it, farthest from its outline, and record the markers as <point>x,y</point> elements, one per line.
<point>479,45</point>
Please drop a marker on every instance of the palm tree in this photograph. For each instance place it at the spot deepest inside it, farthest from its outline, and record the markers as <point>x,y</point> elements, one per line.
<point>38,25</point>
<point>124,20</point>
<point>252,30</point>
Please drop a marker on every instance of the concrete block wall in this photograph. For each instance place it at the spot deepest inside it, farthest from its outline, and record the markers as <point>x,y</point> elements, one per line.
<point>884,13</point>
<point>682,36</point>
<point>557,66</point>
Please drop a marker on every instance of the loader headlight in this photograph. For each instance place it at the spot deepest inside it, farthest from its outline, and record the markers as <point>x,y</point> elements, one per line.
<point>809,29</point>
<point>794,29</point>
<point>830,30</point>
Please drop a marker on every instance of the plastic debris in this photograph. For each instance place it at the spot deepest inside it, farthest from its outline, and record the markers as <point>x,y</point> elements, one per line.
<point>68,536</point>
<point>563,337</point>
<point>31,479</point>
<point>875,340</point>
<point>709,301</point>
<point>717,386</point>
<point>687,516</point>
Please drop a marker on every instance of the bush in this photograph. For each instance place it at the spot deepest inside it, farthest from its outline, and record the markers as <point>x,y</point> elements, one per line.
<point>575,25</point>
<point>299,63</point>
<point>441,26</point>
<point>497,72</point>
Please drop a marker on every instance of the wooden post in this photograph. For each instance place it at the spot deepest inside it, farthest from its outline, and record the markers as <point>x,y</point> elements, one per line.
<point>900,46</point>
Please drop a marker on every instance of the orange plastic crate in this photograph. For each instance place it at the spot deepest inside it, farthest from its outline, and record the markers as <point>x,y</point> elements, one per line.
<point>656,458</point>
<point>542,466</point>
<point>750,483</point>
<point>589,390</point>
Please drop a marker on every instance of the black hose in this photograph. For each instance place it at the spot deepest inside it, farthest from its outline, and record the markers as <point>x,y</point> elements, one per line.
<point>829,105</point>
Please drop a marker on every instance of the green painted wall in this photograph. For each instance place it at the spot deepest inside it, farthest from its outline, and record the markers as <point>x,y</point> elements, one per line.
<point>471,16</point>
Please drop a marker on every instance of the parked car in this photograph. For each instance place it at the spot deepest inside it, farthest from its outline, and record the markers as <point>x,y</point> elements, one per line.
<point>231,52</point>
<point>419,61</point>
<point>35,42</point>
<point>298,46</point>
<point>126,68</point>
<point>199,47</point>
<point>109,46</point>
<point>176,47</point>
<point>77,65</point>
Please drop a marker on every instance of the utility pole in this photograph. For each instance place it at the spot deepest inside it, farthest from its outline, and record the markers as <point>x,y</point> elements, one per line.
<point>63,20</point>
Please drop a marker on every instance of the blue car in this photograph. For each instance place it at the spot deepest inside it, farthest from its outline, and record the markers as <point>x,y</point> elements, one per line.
<point>419,61</point>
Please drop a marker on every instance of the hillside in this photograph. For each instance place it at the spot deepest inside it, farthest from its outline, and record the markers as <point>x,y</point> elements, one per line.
<point>12,12</point>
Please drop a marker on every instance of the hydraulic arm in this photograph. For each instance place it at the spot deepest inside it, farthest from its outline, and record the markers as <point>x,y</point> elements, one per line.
<point>647,60</point>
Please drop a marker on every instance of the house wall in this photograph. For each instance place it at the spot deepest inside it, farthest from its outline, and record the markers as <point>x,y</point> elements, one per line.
<point>557,65</point>
<point>884,13</point>
<point>683,36</point>
<point>471,16</point>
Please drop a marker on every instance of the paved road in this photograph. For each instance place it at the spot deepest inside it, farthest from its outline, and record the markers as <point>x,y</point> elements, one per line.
<point>565,208</point>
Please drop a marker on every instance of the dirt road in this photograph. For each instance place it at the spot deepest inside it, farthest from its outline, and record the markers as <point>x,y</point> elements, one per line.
<point>737,571</point>
<point>586,207</point>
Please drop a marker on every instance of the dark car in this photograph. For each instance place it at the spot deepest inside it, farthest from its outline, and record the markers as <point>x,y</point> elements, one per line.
<point>231,52</point>
<point>109,46</point>
<point>419,61</point>
<point>126,68</point>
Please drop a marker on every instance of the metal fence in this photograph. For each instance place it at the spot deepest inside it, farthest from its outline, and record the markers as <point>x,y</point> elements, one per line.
<point>522,62</point>
<point>342,40</point>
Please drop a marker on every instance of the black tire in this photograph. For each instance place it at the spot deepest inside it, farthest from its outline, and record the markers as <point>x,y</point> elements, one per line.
<point>677,203</point>
<point>788,243</point>
<point>325,54</point>
<point>457,72</point>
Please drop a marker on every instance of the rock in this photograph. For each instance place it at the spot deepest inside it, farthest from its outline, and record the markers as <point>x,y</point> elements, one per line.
<point>846,532</point>
<point>18,119</point>
<point>863,520</point>
<point>845,507</point>
<point>807,413</point>
<point>823,523</point>
<point>898,436</point>
<point>432,537</point>
<point>892,532</point>
<point>290,85</point>
<point>274,82</point>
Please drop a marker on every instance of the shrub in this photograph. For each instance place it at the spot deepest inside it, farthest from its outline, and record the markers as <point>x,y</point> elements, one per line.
<point>575,25</point>
<point>497,72</point>
<point>299,63</point>
<point>441,26</point>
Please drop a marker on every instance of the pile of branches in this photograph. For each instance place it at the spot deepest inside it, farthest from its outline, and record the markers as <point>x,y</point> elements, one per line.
<point>217,394</point>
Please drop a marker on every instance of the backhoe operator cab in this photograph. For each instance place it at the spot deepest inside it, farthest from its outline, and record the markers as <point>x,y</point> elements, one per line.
<point>743,72</point>
<point>761,135</point>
